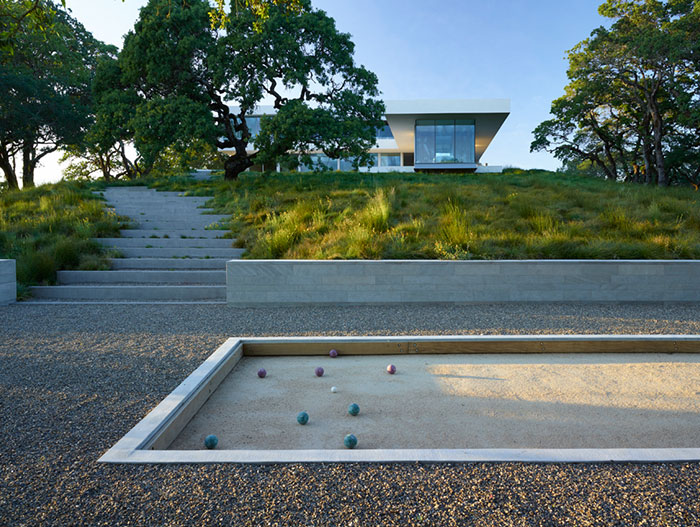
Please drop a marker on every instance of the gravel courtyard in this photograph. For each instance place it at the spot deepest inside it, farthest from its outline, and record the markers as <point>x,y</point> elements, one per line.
<point>74,379</point>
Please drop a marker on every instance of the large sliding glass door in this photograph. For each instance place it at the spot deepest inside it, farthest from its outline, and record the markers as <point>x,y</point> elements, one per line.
<point>444,141</point>
<point>425,141</point>
<point>464,141</point>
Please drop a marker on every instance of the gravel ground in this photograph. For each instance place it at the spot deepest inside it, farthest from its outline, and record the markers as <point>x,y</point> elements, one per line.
<point>74,379</point>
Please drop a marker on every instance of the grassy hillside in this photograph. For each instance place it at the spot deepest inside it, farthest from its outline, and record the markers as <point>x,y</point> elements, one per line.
<point>50,228</point>
<point>517,215</point>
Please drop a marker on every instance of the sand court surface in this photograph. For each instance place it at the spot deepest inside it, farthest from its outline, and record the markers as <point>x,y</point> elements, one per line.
<point>472,401</point>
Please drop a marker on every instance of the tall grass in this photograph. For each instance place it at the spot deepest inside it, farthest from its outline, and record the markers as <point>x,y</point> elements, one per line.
<point>519,215</point>
<point>50,228</point>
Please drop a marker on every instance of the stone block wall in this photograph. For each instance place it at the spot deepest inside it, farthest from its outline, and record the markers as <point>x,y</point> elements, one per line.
<point>261,282</point>
<point>8,282</point>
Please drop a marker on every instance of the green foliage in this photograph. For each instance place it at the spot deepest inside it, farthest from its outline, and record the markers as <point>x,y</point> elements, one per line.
<point>17,16</point>
<point>519,214</point>
<point>185,70</point>
<point>45,81</point>
<point>260,9</point>
<point>51,227</point>
<point>103,150</point>
<point>631,111</point>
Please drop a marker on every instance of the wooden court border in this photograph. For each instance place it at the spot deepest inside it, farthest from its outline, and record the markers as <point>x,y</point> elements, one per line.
<point>148,440</point>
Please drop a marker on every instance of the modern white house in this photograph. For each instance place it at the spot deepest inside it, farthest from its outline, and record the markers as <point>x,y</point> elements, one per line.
<point>426,135</point>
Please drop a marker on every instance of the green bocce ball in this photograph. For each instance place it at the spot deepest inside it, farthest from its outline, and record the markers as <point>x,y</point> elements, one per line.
<point>302,418</point>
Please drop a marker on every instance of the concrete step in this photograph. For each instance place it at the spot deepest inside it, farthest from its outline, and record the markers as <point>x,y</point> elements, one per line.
<point>154,198</point>
<point>180,252</point>
<point>178,226</point>
<point>169,263</point>
<point>185,277</point>
<point>156,194</point>
<point>178,242</point>
<point>139,293</point>
<point>175,193</point>
<point>175,215</point>
<point>162,209</point>
<point>192,219</point>
<point>132,202</point>
<point>187,266</point>
<point>147,233</point>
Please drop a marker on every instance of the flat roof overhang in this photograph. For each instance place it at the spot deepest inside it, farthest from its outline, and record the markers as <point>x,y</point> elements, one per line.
<point>488,115</point>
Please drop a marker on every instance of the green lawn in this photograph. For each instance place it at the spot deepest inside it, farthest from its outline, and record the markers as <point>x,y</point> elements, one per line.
<point>50,228</point>
<point>516,215</point>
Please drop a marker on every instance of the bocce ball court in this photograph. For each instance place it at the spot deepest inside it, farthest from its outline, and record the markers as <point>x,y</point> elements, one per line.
<point>454,398</point>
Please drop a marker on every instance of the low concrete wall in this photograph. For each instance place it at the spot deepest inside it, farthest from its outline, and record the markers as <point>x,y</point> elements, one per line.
<point>264,282</point>
<point>8,281</point>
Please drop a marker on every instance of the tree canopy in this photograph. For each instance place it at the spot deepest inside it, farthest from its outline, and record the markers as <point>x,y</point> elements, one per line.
<point>46,82</point>
<point>199,83</point>
<point>632,106</point>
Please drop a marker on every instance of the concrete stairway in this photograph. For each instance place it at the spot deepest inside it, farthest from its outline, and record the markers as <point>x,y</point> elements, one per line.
<point>173,253</point>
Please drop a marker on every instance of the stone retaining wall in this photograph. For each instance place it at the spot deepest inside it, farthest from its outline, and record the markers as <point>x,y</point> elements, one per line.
<point>8,282</point>
<point>264,282</point>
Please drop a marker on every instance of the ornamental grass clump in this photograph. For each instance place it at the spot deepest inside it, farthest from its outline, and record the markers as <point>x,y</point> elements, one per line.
<point>51,227</point>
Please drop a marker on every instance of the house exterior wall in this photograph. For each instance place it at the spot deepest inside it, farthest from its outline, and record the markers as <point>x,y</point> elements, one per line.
<point>475,123</point>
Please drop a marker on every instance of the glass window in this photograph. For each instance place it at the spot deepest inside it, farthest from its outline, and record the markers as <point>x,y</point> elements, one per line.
<point>346,165</point>
<point>374,158</point>
<point>425,141</point>
<point>464,140</point>
<point>384,132</point>
<point>444,142</point>
<point>390,160</point>
<point>326,163</point>
<point>253,126</point>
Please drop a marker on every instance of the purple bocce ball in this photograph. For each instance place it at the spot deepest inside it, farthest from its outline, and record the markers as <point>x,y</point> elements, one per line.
<point>391,369</point>
<point>319,372</point>
<point>333,353</point>
<point>262,373</point>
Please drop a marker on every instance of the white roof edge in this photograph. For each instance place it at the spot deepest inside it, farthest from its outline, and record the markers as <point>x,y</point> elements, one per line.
<point>446,106</point>
<point>425,106</point>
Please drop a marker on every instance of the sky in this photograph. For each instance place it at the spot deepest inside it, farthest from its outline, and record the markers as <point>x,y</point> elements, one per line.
<point>451,49</point>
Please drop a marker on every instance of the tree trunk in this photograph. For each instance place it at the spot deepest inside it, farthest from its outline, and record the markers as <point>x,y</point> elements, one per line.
<point>606,170</point>
<point>8,169</point>
<point>648,165</point>
<point>236,164</point>
<point>129,168</point>
<point>612,174</point>
<point>660,161</point>
<point>28,164</point>
<point>105,166</point>
<point>657,128</point>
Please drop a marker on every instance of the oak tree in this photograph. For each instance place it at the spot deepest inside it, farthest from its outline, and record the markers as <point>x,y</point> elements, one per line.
<point>632,106</point>
<point>45,80</point>
<point>200,83</point>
